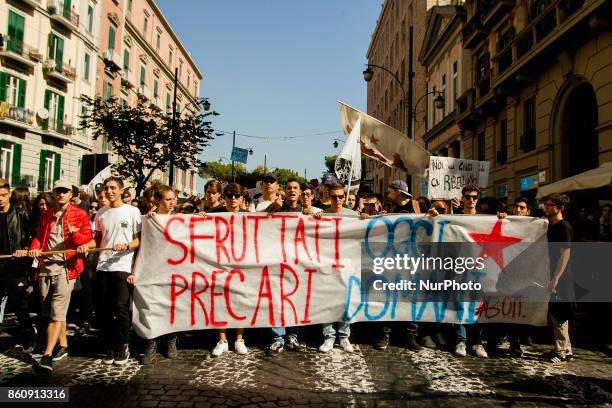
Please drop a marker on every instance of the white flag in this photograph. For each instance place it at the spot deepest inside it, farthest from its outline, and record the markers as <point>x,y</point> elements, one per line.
<point>384,143</point>
<point>99,178</point>
<point>348,163</point>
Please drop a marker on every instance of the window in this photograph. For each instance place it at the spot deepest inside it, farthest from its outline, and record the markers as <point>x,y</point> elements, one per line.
<point>443,90</point>
<point>49,169</point>
<point>503,139</point>
<point>90,18</point>
<point>529,107</point>
<point>142,75</point>
<point>180,70</point>
<point>158,41</point>
<point>111,37</point>
<point>170,56</point>
<point>129,6</point>
<point>146,25</point>
<point>6,159</point>
<point>188,80</point>
<point>56,49</point>
<point>455,85</point>
<point>126,59</point>
<point>12,90</point>
<point>155,86</point>
<point>54,103</point>
<point>167,101</point>
<point>107,90</point>
<point>481,146</point>
<point>86,67</point>
<point>433,106</point>
<point>528,141</point>
<point>15,32</point>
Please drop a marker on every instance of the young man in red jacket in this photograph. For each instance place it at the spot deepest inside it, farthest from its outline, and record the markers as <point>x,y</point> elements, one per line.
<point>63,227</point>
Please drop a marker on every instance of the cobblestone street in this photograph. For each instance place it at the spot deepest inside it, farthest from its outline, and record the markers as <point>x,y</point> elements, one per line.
<point>368,377</point>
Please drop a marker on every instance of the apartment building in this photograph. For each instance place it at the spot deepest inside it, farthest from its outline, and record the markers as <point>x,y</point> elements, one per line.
<point>47,59</point>
<point>537,101</point>
<point>139,54</point>
<point>442,55</point>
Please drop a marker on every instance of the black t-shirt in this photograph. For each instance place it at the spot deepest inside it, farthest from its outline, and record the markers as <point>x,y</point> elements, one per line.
<point>286,208</point>
<point>222,208</point>
<point>406,208</point>
<point>559,237</point>
<point>320,205</point>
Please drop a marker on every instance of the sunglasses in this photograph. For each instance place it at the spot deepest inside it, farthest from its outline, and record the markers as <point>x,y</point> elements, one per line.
<point>468,196</point>
<point>369,204</point>
<point>231,196</point>
<point>336,197</point>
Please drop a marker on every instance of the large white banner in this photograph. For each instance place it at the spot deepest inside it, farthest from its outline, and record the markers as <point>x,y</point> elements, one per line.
<point>448,175</point>
<point>287,269</point>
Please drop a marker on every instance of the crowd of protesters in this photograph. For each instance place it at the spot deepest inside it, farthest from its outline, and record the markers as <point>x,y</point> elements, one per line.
<point>93,281</point>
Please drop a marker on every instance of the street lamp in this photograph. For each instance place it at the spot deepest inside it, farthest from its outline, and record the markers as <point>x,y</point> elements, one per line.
<point>336,142</point>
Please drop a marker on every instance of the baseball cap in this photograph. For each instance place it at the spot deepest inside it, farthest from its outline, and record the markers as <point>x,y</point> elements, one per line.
<point>401,186</point>
<point>270,178</point>
<point>62,184</point>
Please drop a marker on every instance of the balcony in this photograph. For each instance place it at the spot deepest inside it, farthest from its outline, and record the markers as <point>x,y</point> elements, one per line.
<point>157,102</point>
<point>493,10</point>
<point>143,91</point>
<point>473,32</point>
<point>547,28</point>
<point>128,79</point>
<point>31,3</point>
<point>62,15</point>
<point>20,52</point>
<point>63,72</point>
<point>467,115</point>
<point>58,129</point>
<point>112,60</point>
<point>14,116</point>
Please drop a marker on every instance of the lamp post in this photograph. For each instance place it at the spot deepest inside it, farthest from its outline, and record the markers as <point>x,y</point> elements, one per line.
<point>234,145</point>
<point>336,141</point>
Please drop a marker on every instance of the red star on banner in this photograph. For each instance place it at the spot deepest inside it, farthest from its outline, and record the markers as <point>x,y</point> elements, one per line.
<point>494,243</point>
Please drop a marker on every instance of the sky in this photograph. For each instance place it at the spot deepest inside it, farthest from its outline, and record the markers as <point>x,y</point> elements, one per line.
<point>275,68</point>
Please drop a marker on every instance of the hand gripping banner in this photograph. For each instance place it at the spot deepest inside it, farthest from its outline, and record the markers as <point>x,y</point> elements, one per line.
<point>286,269</point>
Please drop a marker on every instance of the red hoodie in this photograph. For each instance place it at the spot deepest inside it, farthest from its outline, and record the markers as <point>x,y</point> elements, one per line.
<point>78,219</point>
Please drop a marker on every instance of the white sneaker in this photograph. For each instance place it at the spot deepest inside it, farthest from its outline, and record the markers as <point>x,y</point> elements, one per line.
<point>346,345</point>
<point>480,351</point>
<point>220,348</point>
<point>240,347</point>
<point>460,350</point>
<point>327,345</point>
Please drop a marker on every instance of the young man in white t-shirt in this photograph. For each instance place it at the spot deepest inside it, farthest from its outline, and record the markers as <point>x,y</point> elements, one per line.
<point>116,226</point>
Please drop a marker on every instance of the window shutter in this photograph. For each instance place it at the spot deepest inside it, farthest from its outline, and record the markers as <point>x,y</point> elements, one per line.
<point>41,170</point>
<point>50,46</point>
<point>60,111</point>
<point>126,59</point>
<point>57,166</point>
<point>59,53</point>
<point>22,94</point>
<point>111,37</point>
<point>16,170</point>
<point>3,78</point>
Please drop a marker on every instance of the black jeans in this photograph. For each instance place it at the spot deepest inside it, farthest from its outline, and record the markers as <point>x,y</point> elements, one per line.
<point>115,319</point>
<point>410,328</point>
<point>15,289</point>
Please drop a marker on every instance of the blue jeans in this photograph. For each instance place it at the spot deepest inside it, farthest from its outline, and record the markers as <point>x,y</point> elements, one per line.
<point>280,332</point>
<point>475,333</point>
<point>344,330</point>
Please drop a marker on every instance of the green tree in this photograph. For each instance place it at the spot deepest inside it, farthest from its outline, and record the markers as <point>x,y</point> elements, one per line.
<point>141,136</point>
<point>330,161</point>
<point>221,171</point>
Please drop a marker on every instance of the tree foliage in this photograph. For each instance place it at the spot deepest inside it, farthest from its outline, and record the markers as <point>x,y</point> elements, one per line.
<point>145,138</point>
<point>330,162</point>
<point>223,173</point>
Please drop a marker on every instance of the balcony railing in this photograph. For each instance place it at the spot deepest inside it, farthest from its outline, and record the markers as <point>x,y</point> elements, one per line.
<point>548,19</point>
<point>143,90</point>
<point>112,60</point>
<point>128,79</point>
<point>14,113</point>
<point>62,71</point>
<point>493,10</point>
<point>473,31</point>
<point>63,15</point>
<point>17,50</point>
<point>56,126</point>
